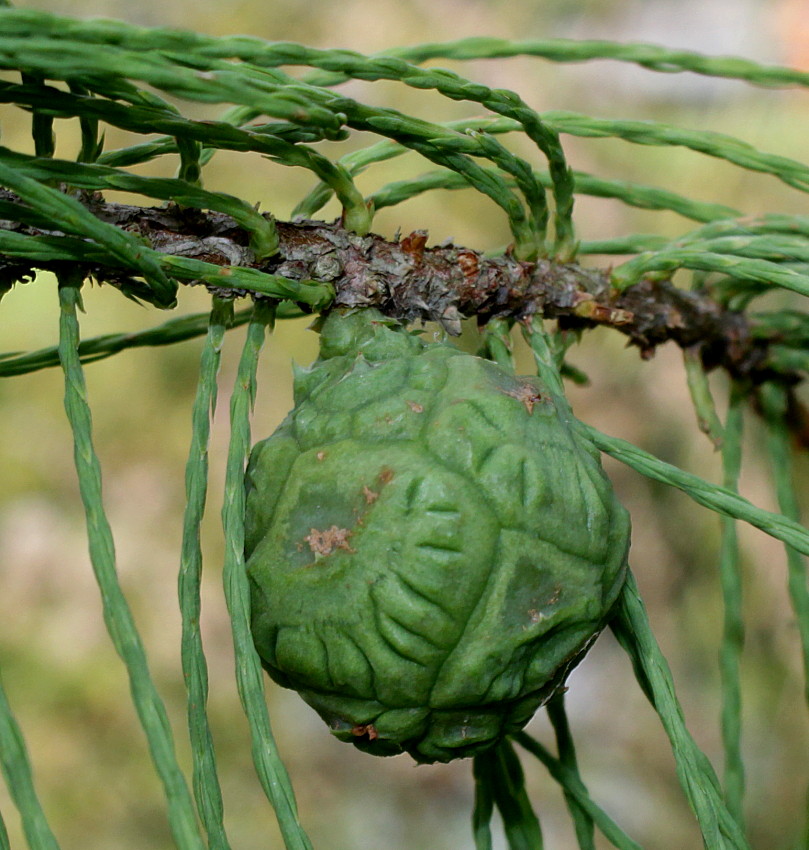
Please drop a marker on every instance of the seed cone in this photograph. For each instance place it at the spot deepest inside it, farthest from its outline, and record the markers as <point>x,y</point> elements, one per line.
<point>431,545</point>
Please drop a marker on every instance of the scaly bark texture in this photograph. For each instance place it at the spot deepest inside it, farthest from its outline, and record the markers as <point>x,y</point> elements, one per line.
<point>445,283</point>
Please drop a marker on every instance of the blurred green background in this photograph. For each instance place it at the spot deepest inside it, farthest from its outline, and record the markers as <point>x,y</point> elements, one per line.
<point>65,682</point>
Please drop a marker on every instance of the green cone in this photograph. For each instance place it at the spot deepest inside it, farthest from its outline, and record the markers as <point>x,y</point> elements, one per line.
<point>431,546</point>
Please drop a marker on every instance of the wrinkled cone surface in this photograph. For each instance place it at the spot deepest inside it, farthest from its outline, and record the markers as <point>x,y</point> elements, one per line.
<point>431,547</point>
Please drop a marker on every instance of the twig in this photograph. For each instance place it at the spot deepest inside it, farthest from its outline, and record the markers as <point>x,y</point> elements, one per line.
<point>445,283</point>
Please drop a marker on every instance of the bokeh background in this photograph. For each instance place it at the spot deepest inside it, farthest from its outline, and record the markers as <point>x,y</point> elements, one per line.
<point>66,684</point>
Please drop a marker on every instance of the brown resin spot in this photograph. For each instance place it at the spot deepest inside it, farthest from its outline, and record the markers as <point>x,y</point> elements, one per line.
<point>369,729</point>
<point>370,495</point>
<point>470,264</point>
<point>415,407</point>
<point>586,307</point>
<point>534,617</point>
<point>385,475</point>
<point>528,395</point>
<point>414,244</point>
<point>326,541</point>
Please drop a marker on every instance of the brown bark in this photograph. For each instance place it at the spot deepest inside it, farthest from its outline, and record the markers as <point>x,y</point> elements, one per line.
<point>445,283</point>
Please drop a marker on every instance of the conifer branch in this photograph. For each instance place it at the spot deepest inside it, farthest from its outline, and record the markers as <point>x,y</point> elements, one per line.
<point>407,279</point>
